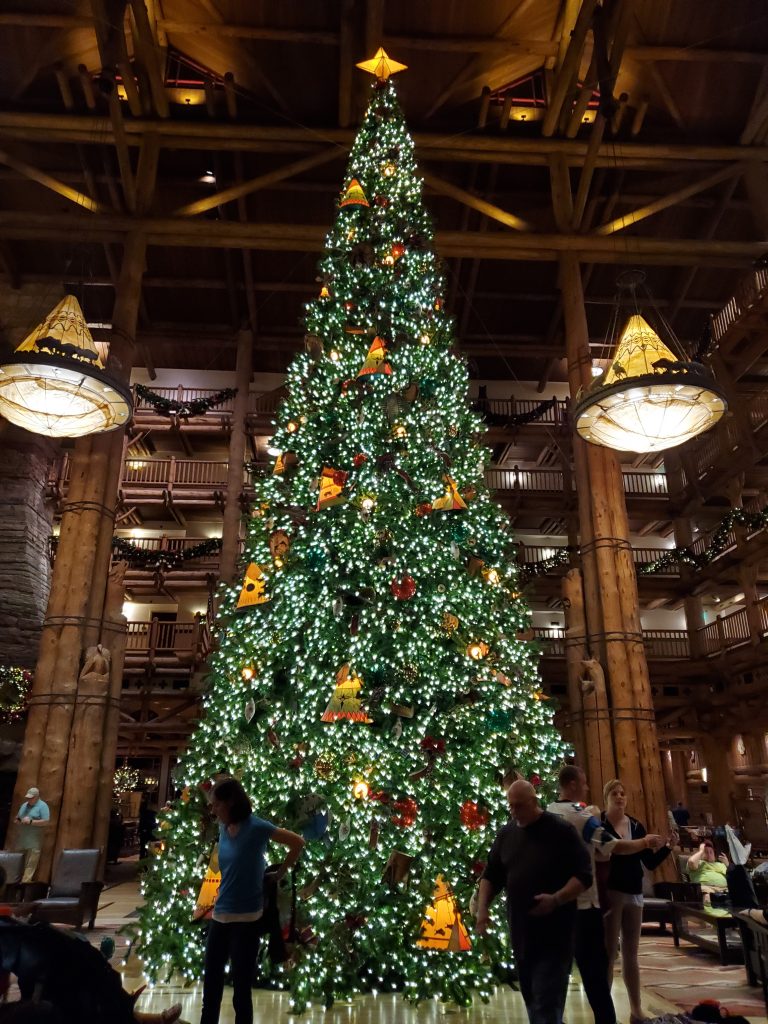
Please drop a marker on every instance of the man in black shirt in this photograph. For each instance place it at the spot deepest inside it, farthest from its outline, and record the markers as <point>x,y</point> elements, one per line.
<point>543,865</point>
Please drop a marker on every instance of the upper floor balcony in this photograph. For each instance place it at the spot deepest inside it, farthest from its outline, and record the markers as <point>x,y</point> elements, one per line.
<point>168,651</point>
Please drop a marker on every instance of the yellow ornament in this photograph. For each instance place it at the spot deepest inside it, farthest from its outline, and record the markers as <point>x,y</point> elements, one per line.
<point>451,500</point>
<point>331,486</point>
<point>209,890</point>
<point>442,927</point>
<point>376,360</point>
<point>345,703</point>
<point>381,65</point>
<point>450,622</point>
<point>354,195</point>
<point>477,650</point>
<point>254,587</point>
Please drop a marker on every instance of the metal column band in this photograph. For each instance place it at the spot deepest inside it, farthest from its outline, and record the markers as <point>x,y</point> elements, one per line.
<point>615,543</point>
<point>620,714</point>
<point>70,620</point>
<point>88,506</point>
<point>64,699</point>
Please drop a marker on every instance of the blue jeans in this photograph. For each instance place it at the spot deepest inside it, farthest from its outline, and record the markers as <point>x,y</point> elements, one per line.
<point>238,943</point>
<point>543,972</point>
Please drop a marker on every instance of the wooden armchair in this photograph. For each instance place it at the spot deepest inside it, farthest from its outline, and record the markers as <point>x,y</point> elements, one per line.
<point>73,895</point>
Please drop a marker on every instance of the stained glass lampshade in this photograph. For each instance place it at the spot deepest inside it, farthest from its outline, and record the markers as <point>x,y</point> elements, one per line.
<point>55,383</point>
<point>648,400</point>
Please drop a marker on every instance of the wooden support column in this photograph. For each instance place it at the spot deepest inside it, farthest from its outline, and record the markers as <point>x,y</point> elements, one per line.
<point>164,778</point>
<point>589,722</point>
<point>607,556</point>
<point>714,751</point>
<point>238,439</point>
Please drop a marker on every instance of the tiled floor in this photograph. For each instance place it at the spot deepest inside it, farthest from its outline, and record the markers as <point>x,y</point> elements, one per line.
<point>119,902</point>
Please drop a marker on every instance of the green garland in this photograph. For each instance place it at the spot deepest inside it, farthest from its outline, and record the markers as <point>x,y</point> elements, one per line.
<point>520,419</point>
<point>139,557</point>
<point>687,556</point>
<point>15,684</point>
<point>172,407</point>
<point>680,555</point>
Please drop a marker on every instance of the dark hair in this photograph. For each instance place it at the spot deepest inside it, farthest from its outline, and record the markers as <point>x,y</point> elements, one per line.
<point>569,773</point>
<point>229,791</point>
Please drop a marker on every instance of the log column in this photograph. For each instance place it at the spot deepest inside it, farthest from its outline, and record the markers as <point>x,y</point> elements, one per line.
<point>714,751</point>
<point>613,619</point>
<point>233,514</point>
<point>65,730</point>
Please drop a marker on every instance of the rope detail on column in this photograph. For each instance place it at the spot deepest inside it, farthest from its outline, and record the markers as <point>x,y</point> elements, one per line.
<point>89,506</point>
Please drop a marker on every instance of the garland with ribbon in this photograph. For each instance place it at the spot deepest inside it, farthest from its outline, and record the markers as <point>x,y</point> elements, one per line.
<point>687,556</point>
<point>681,556</point>
<point>519,419</point>
<point>173,407</point>
<point>139,557</point>
<point>125,780</point>
<point>15,684</point>
<point>562,556</point>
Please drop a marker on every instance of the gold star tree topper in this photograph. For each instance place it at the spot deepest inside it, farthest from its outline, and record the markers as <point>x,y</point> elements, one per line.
<point>381,65</point>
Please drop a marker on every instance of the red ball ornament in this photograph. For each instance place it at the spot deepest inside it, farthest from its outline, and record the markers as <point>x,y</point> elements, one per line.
<point>339,477</point>
<point>207,785</point>
<point>382,201</point>
<point>535,780</point>
<point>403,589</point>
<point>406,812</point>
<point>473,816</point>
<point>359,459</point>
<point>424,509</point>
<point>398,250</point>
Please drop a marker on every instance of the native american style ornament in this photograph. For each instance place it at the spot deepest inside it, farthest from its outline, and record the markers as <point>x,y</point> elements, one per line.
<point>442,927</point>
<point>451,500</point>
<point>376,360</point>
<point>345,703</point>
<point>331,486</point>
<point>254,587</point>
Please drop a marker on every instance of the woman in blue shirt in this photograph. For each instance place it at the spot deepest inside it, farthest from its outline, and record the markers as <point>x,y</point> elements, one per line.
<point>233,933</point>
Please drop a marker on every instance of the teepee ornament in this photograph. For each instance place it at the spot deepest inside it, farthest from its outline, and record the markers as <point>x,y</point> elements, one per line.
<point>376,360</point>
<point>345,703</point>
<point>451,501</point>
<point>55,383</point>
<point>353,195</point>
<point>254,587</point>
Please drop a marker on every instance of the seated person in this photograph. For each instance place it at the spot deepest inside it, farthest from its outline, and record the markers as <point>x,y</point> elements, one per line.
<point>61,973</point>
<point>708,870</point>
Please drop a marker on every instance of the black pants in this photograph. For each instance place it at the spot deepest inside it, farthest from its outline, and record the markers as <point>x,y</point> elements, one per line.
<point>543,972</point>
<point>592,960</point>
<point>237,942</point>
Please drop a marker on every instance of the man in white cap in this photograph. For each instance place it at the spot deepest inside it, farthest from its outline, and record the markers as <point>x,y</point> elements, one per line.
<point>32,818</point>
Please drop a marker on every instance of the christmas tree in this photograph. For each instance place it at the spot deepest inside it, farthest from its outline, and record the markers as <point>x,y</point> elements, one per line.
<point>373,681</point>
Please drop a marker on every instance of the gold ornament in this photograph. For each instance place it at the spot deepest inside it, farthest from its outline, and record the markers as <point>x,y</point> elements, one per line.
<point>326,767</point>
<point>477,650</point>
<point>449,623</point>
<point>381,65</point>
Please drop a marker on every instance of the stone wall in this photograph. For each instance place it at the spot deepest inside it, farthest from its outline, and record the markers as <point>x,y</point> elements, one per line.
<point>25,529</point>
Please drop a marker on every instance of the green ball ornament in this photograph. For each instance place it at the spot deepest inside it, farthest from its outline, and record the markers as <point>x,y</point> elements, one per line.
<point>499,720</point>
<point>316,558</point>
<point>458,532</point>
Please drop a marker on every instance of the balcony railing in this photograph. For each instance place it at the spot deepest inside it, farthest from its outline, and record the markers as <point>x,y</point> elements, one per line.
<point>174,649</point>
<point>540,552</point>
<point>555,416</point>
<point>550,481</point>
<point>751,289</point>
<point>660,644</point>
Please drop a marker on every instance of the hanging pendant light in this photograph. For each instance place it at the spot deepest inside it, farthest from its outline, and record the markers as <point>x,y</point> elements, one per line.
<point>649,399</point>
<point>55,383</point>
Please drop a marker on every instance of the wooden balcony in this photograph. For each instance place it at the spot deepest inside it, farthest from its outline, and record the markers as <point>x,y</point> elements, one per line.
<point>171,651</point>
<point>170,482</point>
<point>725,634</point>
<point>539,552</point>
<point>738,329</point>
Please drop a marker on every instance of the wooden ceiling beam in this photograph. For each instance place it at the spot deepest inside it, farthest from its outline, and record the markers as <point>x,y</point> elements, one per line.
<point>576,34</point>
<point>664,202</point>
<point>177,134</point>
<point>441,43</point>
<point>504,217</point>
<point>51,183</point>
<point>178,231</point>
<point>261,181</point>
